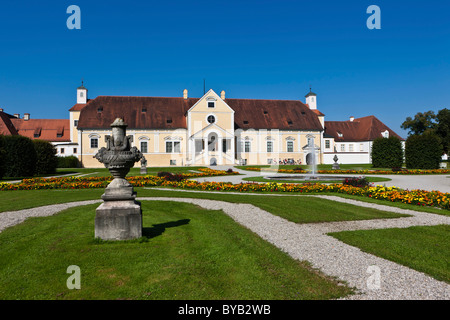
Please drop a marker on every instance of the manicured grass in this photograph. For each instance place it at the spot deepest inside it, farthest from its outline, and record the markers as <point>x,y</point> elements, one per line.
<point>425,249</point>
<point>338,180</point>
<point>186,253</point>
<point>299,209</point>
<point>101,172</point>
<point>362,166</point>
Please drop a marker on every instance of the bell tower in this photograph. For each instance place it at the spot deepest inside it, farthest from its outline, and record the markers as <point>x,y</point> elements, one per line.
<point>82,94</point>
<point>311,100</point>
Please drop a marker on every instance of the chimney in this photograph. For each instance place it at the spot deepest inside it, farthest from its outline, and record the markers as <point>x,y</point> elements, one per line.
<point>26,116</point>
<point>352,118</point>
<point>185,94</point>
<point>222,95</point>
<point>17,115</point>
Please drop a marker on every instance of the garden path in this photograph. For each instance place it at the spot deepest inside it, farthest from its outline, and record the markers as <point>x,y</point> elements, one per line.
<point>373,277</point>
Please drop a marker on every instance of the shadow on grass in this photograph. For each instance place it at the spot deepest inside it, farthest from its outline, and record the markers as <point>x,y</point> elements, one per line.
<point>158,229</point>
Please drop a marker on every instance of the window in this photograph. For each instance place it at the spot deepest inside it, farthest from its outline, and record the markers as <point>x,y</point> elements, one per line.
<point>327,144</point>
<point>81,94</point>
<point>269,146</point>
<point>247,146</point>
<point>211,119</point>
<point>173,147</point>
<point>94,143</point>
<point>173,162</point>
<point>226,145</point>
<point>144,109</point>
<point>75,150</point>
<point>100,109</point>
<point>342,147</point>
<point>290,146</point>
<point>75,123</point>
<point>144,147</point>
<point>361,147</point>
<point>350,147</point>
<point>61,150</point>
<point>211,104</point>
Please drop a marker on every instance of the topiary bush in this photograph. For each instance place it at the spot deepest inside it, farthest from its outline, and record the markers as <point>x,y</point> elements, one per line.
<point>47,160</point>
<point>68,162</point>
<point>19,156</point>
<point>387,153</point>
<point>423,151</point>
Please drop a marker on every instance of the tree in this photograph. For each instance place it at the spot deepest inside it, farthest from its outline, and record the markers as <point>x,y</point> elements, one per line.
<point>46,157</point>
<point>429,122</point>
<point>443,128</point>
<point>423,151</point>
<point>421,123</point>
<point>387,153</point>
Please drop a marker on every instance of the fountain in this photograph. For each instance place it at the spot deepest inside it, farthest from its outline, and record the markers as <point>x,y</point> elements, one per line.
<point>119,217</point>
<point>313,176</point>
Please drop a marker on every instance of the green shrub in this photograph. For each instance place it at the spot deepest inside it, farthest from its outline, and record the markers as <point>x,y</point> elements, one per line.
<point>46,157</point>
<point>2,158</point>
<point>387,153</point>
<point>19,156</point>
<point>68,162</point>
<point>360,182</point>
<point>423,151</point>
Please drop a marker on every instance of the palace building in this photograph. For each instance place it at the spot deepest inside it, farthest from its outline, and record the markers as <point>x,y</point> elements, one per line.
<point>210,130</point>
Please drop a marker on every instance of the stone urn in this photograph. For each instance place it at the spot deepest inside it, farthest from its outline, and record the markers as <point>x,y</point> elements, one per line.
<point>335,165</point>
<point>119,217</point>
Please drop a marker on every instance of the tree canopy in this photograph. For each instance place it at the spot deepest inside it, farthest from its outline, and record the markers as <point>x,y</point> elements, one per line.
<point>430,122</point>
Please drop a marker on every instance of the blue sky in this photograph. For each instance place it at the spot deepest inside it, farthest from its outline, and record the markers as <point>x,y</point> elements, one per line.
<point>250,49</point>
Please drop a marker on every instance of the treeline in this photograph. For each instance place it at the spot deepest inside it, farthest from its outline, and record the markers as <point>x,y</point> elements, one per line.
<point>428,139</point>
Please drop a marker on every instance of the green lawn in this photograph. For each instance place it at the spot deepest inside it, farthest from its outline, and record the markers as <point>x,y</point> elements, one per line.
<point>186,253</point>
<point>362,166</point>
<point>262,179</point>
<point>425,249</point>
<point>299,209</point>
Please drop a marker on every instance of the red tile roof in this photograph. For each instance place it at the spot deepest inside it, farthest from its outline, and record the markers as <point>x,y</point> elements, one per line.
<point>54,130</point>
<point>6,126</point>
<point>170,113</point>
<point>362,129</point>
<point>78,106</point>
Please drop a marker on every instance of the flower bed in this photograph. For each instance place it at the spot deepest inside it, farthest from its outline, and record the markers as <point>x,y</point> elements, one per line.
<point>359,172</point>
<point>74,182</point>
<point>393,194</point>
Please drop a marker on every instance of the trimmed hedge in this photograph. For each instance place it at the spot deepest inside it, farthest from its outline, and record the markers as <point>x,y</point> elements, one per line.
<point>20,156</point>
<point>387,153</point>
<point>423,151</point>
<point>68,162</point>
<point>2,158</point>
<point>46,157</point>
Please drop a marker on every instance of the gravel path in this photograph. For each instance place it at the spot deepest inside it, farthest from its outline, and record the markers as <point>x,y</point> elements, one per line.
<point>373,277</point>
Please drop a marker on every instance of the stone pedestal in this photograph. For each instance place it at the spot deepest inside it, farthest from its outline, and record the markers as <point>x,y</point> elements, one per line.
<point>119,217</point>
